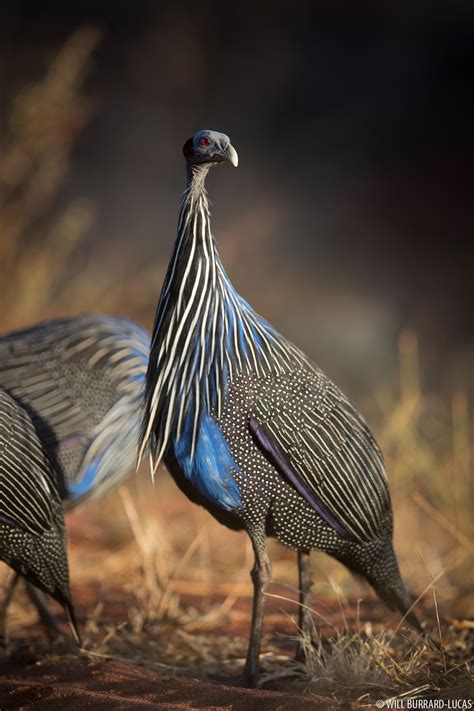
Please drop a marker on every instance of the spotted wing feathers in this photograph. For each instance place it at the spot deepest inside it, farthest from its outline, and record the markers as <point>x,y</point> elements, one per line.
<point>318,441</point>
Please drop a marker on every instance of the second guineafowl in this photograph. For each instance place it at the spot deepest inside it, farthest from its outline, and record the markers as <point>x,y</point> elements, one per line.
<point>81,379</point>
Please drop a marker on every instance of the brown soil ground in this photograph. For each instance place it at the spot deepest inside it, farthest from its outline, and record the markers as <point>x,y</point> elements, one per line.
<point>81,684</point>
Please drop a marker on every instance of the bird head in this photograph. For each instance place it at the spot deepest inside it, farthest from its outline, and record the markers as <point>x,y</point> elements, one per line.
<point>210,147</point>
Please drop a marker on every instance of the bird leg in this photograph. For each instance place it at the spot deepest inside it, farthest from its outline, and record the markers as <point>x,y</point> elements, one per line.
<point>46,616</point>
<point>260,574</point>
<point>305,623</point>
<point>4,603</point>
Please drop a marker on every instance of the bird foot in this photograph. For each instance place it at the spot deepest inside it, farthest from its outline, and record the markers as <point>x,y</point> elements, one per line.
<point>251,678</point>
<point>249,681</point>
<point>300,655</point>
<point>303,645</point>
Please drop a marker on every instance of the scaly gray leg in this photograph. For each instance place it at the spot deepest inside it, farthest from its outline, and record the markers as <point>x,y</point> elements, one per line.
<point>4,603</point>
<point>38,599</point>
<point>304,616</point>
<point>261,574</point>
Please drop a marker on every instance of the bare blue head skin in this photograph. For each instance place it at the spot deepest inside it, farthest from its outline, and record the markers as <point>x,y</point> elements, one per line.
<point>204,149</point>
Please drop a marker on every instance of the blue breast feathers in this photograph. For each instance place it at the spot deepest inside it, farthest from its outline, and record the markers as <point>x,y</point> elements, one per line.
<point>87,481</point>
<point>209,470</point>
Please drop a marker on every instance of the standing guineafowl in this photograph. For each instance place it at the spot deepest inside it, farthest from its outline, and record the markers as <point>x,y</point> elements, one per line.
<point>251,429</point>
<point>81,380</point>
<point>32,532</point>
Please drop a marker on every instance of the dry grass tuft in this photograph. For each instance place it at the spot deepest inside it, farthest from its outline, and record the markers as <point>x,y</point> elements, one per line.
<point>363,666</point>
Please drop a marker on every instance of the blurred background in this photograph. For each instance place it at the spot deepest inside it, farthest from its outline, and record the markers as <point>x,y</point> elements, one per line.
<point>348,223</point>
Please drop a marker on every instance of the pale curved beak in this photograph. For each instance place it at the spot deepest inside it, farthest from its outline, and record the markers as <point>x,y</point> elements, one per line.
<point>229,153</point>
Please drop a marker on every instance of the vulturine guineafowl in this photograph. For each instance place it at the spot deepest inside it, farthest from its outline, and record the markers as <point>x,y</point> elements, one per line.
<point>251,429</point>
<point>32,532</point>
<point>82,381</point>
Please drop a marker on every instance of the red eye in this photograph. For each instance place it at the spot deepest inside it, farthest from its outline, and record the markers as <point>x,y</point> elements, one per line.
<point>205,141</point>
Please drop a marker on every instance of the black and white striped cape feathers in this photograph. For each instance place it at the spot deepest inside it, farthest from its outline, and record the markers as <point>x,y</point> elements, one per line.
<point>32,533</point>
<point>206,338</point>
<point>28,483</point>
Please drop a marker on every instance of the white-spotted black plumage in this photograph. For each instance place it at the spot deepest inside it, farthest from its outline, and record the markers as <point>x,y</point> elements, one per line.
<point>249,427</point>
<point>32,533</point>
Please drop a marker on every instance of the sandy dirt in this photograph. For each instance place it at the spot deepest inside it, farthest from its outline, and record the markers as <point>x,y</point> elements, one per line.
<point>81,684</point>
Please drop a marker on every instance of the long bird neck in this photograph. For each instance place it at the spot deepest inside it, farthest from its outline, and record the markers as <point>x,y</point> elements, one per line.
<point>204,334</point>
<point>194,243</point>
<point>191,276</point>
<point>180,349</point>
